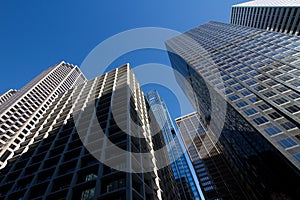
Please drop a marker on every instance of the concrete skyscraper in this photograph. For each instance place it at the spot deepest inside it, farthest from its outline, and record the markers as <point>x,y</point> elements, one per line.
<point>255,74</point>
<point>274,15</point>
<point>7,95</point>
<point>60,158</point>
<point>182,172</point>
<point>22,111</point>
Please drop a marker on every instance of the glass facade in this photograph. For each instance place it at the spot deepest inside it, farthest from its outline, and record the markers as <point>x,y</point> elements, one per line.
<point>215,176</point>
<point>256,73</point>
<point>182,172</point>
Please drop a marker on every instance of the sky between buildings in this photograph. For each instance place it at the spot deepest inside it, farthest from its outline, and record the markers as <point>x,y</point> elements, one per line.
<point>37,34</point>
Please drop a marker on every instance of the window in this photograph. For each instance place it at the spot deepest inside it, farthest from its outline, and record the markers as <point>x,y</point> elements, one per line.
<point>206,183</point>
<point>243,78</point>
<point>210,187</point>
<point>269,94</point>
<point>252,82</point>
<point>246,93</point>
<point>294,95</point>
<point>260,120</point>
<point>267,69</point>
<point>297,73</point>
<point>287,143</point>
<point>296,83</point>
<point>234,97</point>
<point>293,109</point>
<point>286,77</point>
<point>250,111</point>
<point>281,101</point>
<point>275,73</point>
<point>297,157</point>
<point>259,88</point>
<point>242,104</point>
<point>275,115</point>
<point>272,130</point>
<point>90,177</point>
<point>247,69</point>
<point>287,68</point>
<point>288,125</point>
<point>282,89</point>
<point>254,99</point>
<point>271,83</point>
<point>264,106</point>
<point>225,78</point>
<point>232,82</point>
<point>88,194</point>
<point>228,91</point>
<point>238,87</point>
<point>262,78</point>
<point>115,185</point>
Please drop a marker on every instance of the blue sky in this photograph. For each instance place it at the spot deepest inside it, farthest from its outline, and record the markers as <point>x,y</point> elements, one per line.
<point>36,34</point>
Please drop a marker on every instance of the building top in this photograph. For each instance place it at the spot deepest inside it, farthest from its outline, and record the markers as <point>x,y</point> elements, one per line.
<point>270,3</point>
<point>186,116</point>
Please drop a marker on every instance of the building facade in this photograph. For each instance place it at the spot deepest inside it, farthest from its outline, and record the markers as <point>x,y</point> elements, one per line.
<point>182,172</point>
<point>215,176</point>
<point>59,159</point>
<point>275,15</point>
<point>22,111</point>
<point>255,73</point>
<point>4,97</point>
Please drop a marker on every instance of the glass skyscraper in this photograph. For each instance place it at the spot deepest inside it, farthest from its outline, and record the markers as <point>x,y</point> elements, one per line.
<point>182,172</point>
<point>255,73</point>
<point>215,176</point>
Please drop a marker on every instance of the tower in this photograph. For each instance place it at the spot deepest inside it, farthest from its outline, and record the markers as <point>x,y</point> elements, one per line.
<point>247,79</point>
<point>214,174</point>
<point>183,176</point>
<point>20,113</point>
<point>276,15</point>
<point>83,147</point>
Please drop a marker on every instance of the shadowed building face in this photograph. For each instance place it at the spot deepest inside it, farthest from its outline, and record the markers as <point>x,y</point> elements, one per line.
<point>256,74</point>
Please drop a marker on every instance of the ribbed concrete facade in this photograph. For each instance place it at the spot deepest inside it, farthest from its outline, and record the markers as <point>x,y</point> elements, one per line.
<point>4,97</point>
<point>21,112</point>
<point>274,15</point>
<point>55,160</point>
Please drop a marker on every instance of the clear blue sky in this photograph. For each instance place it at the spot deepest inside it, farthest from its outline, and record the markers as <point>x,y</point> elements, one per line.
<point>36,34</point>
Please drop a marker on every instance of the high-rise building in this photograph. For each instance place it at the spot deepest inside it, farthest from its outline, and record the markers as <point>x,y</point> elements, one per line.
<point>255,74</point>
<point>274,15</point>
<point>182,172</point>
<point>215,176</point>
<point>60,158</point>
<point>22,111</point>
<point>4,97</point>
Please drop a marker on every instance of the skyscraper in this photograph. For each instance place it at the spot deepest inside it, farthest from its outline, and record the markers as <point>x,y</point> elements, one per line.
<point>247,79</point>
<point>4,97</point>
<point>183,176</point>
<point>274,15</point>
<point>21,112</point>
<point>214,174</point>
<point>60,158</point>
